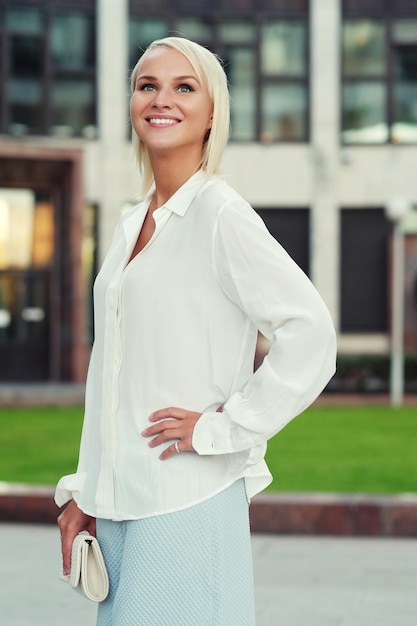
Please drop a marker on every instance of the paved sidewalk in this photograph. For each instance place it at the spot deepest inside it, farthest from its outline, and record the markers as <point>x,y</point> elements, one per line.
<point>300,581</point>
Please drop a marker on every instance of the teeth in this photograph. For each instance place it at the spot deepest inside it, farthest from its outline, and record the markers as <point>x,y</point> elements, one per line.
<point>162,122</point>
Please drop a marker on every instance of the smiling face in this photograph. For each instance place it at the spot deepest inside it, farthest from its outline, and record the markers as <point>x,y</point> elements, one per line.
<point>171,109</point>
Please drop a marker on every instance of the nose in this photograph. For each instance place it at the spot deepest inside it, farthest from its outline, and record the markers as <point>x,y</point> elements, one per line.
<point>162,99</point>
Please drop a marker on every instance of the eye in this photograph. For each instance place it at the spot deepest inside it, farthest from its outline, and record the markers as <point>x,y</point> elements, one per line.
<point>184,88</point>
<point>147,87</point>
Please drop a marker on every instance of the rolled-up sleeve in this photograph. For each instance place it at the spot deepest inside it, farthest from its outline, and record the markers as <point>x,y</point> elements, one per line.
<point>258,275</point>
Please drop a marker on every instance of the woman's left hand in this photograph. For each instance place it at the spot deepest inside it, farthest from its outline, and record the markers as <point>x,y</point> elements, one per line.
<point>172,424</point>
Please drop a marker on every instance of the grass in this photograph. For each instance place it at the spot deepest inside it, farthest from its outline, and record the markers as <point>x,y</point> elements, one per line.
<point>38,445</point>
<point>351,449</point>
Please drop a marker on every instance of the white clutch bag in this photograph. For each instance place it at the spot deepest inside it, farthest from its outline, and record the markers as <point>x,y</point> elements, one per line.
<point>88,573</point>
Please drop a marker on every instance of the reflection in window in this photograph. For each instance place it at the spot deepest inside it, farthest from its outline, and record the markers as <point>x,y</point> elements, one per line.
<point>142,31</point>
<point>28,21</point>
<point>26,105</point>
<point>283,113</point>
<point>364,113</point>
<point>194,29</point>
<point>236,32</point>
<point>24,319</point>
<point>72,106</point>
<point>364,48</point>
<point>5,305</point>
<point>43,234</point>
<point>380,86</point>
<point>405,31</point>
<point>284,94</point>
<point>283,48</point>
<point>72,41</point>
<point>240,70</point>
<point>26,230</point>
<point>16,221</point>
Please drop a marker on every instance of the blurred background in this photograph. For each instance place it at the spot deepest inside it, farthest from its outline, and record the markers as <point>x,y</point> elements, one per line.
<point>323,145</point>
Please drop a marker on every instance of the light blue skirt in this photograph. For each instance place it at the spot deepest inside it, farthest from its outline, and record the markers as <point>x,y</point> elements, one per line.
<point>189,568</point>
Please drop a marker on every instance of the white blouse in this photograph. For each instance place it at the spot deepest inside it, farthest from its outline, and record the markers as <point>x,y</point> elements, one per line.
<point>177,326</point>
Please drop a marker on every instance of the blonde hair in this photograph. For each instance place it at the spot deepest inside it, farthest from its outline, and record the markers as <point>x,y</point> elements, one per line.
<point>210,72</point>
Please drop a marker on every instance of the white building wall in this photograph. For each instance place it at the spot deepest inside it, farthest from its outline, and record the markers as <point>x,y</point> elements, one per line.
<point>325,149</point>
<point>321,175</point>
<point>373,175</point>
<point>112,112</point>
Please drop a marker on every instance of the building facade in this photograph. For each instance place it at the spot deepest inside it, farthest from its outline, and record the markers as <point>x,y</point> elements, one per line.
<point>324,135</point>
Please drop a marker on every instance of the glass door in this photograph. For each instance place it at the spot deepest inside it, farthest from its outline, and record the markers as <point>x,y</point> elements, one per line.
<point>27,233</point>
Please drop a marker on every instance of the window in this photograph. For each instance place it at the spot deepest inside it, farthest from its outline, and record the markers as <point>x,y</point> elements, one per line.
<point>291,228</point>
<point>265,56</point>
<point>27,229</point>
<point>141,33</point>
<point>27,233</point>
<point>236,51</point>
<point>379,68</point>
<point>364,270</point>
<point>24,84</point>
<point>48,71</point>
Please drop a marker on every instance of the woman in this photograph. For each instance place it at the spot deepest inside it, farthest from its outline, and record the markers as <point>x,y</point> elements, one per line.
<point>176,422</point>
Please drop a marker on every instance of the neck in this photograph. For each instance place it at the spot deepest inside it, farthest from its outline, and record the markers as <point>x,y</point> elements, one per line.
<point>170,173</point>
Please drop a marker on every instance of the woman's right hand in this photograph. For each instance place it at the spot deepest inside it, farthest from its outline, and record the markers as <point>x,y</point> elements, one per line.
<point>72,521</point>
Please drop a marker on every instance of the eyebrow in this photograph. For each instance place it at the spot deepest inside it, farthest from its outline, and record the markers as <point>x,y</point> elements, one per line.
<point>176,79</point>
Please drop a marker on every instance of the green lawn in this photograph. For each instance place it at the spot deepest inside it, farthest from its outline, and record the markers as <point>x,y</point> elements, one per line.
<point>38,445</point>
<point>363,449</point>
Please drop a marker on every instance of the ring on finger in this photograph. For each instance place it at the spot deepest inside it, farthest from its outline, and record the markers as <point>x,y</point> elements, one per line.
<point>177,448</point>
